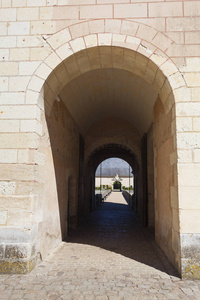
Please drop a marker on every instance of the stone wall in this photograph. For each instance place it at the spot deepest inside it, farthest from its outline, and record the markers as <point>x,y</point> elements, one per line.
<point>36,38</point>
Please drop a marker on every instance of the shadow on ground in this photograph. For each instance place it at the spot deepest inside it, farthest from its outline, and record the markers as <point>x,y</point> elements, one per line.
<point>114,227</point>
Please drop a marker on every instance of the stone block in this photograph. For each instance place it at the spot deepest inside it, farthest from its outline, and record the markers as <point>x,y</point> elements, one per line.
<point>30,41</point>
<point>146,32</point>
<point>27,14</point>
<point>18,54</point>
<point>18,3</point>
<point>8,14</point>
<point>12,98</point>
<point>189,175</point>
<point>130,10</point>
<point>77,44</point>
<point>162,41</point>
<point>118,40</point>
<point>3,28</point>
<point>19,28</point>
<point>96,26</point>
<point>192,64</point>
<point>192,38</point>
<point>64,51</point>
<point>177,37</point>
<point>183,50</point>
<point>185,156</point>
<point>91,40</point>
<point>8,41</point>
<point>59,38</point>
<point>188,109</point>
<point>176,81</point>
<point>190,268</point>
<point>20,112</point>
<point>18,83</point>
<point>53,60</point>
<point>7,156</point>
<point>36,3</point>
<point>51,2</point>
<point>188,140</point>
<point>113,26</point>
<point>7,188</point>
<point>105,39</point>
<point>43,71</point>
<point>28,68</point>
<point>16,201</point>
<point>16,251</point>
<point>191,8</point>
<point>23,156</point>
<point>79,30</point>
<point>192,79</point>
<point>195,94</point>
<point>96,11</point>
<point>21,218</point>
<point>133,41</point>
<point>8,68</point>
<point>36,84</point>
<point>184,124</point>
<point>31,126</point>
<point>3,84</point>
<point>9,125</point>
<point>16,140</point>
<point>196,124</point>
<point>183,94</point>
<point>129,28</point>
<point>39,53</point>
<point>43,27</point>
<point>66,12</point>
<point>158,58</point>
<point>196,153</point>
<point>174,24</point>
<point>32,97</point>
<point>4,54</point>
<point>14,235</point>
<point>165,9</point>
<point>189,221</point>
<point>6,3</point>
<point>12,172</point>
<point>189,197</point>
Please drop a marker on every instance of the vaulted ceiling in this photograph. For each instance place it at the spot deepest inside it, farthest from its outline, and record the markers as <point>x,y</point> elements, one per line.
<point>109,92</point>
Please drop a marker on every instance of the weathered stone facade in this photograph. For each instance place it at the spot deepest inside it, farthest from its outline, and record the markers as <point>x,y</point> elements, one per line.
<point>70,72</point>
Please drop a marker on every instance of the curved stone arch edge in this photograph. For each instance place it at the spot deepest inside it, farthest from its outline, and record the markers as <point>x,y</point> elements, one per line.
<point>134,149</point>
<point>63,46</point>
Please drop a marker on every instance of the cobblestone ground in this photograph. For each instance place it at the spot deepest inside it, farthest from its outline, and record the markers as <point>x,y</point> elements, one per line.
<point>109,257</point>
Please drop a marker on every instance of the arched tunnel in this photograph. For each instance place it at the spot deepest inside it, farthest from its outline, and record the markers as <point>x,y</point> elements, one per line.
<point>99,103</point>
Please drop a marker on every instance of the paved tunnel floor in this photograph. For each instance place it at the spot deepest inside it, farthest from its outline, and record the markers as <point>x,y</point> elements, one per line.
<point>109,257</point>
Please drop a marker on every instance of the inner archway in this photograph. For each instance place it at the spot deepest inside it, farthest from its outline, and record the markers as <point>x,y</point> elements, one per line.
<point>97,98</point>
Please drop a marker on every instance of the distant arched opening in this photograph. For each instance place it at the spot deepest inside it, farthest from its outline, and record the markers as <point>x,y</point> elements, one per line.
<point>117,186</point>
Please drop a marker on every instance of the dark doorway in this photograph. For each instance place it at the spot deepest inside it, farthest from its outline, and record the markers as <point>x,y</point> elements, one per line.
<point>117,186</point>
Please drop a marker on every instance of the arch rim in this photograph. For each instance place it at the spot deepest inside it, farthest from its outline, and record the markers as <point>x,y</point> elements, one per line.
<point>71,46</point>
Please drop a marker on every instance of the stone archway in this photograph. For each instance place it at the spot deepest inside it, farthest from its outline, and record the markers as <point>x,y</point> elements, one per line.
<point>86,56</point>
<point>76,51</point>
<point>97,156</point>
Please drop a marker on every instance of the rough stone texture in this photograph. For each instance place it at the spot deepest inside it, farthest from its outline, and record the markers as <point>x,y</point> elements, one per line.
<point>191,255</point>
<point>13,251</point>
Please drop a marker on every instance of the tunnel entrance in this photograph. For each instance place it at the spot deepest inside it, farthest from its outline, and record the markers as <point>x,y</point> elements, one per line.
<point>96,158</point>
<point>106,102</point>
